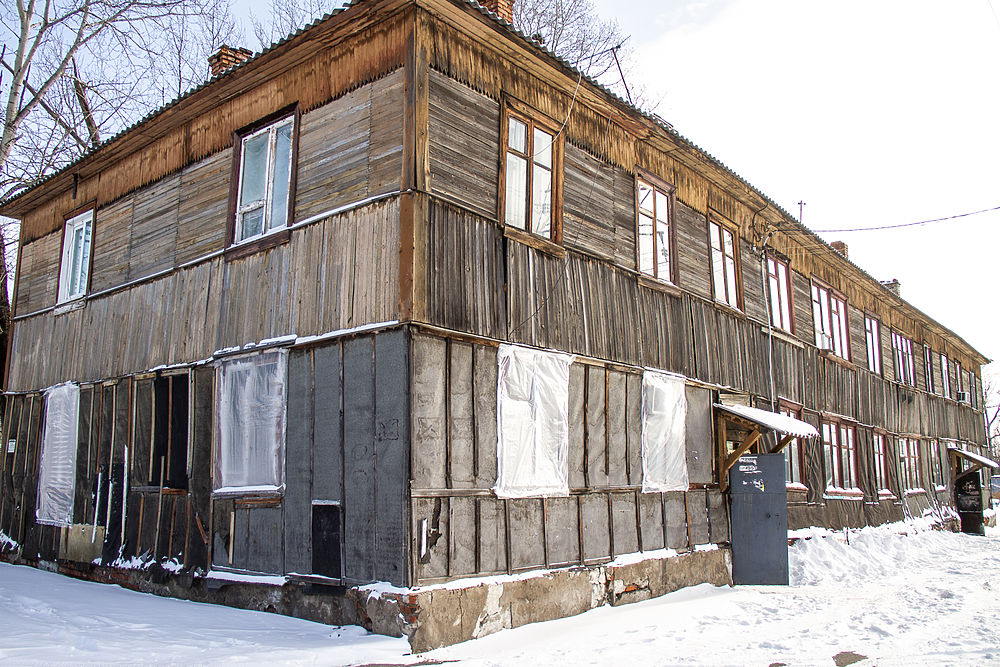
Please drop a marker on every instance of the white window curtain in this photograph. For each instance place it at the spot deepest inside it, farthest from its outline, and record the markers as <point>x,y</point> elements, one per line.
<point>250,422</point>
<point>532,422</point>
<point>664,417</point>
<point>57,472</point>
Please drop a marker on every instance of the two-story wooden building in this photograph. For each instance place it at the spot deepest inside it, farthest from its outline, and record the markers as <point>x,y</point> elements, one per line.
<point>407,299</point>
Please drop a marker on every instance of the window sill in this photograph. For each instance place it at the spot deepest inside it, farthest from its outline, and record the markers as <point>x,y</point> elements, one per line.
<point>833,493</point>
<point>69,306</point>
<point>796,487</point>
<point>786,336</point>
<point>733,310</point>
<point>250,493</point>
<point>254,245</point>
<point>659,285</point>
<point>837,359</point>
<point>535,241</point>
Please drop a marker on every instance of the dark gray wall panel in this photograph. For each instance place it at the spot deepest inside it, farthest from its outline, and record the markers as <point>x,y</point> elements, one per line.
<point>327,445</point>
<point>429,444</point>
<point>462,548</point>
<point>492,535</point>
<point>633,427</point>
<point>718,517</point>
<point>596,538</point>
<point>359,460</point>
<point>461,436</point>
<point>617,437</point>
<point>623,514</point>
<point>298,464</point>
<point>577,427</point>
<point>697,512</point>
<point>391,460</point>
<point>699,435</point>
<point>651,521</point>
<point>430,526</point>
<point>675,516</point>
<point>485,388</point>
<point>265,546</point>
<point>527,546</point>
<point>597,475</point>
<point>562,533</point>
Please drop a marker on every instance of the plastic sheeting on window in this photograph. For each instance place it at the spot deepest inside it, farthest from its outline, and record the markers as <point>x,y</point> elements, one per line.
<point>664,418</point>
<point>532,422</point>
<point>57,472</point>
<point>250,422</point>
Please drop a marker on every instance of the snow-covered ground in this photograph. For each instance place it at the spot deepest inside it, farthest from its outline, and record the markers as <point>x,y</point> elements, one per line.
<point>926,597</point>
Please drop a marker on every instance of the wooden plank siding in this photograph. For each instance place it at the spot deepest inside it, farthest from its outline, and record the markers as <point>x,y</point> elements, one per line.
<point>334,274</point>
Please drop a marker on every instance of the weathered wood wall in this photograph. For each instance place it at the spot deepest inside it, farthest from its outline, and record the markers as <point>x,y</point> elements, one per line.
<point>454,467</point>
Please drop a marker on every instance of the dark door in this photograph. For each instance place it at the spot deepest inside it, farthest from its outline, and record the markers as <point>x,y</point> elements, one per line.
<point>969,502</point>
<point>759,520</point>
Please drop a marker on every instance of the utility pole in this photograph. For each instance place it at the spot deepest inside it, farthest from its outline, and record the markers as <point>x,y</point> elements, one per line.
<point>801,204</point>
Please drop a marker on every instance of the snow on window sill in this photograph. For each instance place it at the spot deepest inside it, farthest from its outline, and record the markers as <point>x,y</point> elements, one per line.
<point>260,489</point>
<point>940,488</point>
<point>886,494</point>
<point>837,493</point>
<point>70,304</point>
<point>796,486</point>
<point>914,492</point>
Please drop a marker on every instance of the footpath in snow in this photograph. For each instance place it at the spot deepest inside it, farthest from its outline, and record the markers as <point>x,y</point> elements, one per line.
<point>885,598</point>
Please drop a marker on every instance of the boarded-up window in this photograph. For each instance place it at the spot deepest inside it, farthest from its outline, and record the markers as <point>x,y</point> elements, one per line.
<point>250,422</point>
<point>532,422</point>
<point>57,472</point>
<point>664,415</point>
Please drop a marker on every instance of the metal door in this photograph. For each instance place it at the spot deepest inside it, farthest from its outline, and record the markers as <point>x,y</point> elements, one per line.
<point>759,520</point>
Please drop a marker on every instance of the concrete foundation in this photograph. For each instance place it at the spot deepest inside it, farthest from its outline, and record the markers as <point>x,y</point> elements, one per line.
<point>433,616</point>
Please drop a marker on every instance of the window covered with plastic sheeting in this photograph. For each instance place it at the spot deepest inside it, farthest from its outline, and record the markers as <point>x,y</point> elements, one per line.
<point>57,472</point>
<point>250,422</point>
<point>532,422</point>
<point>664,416</point>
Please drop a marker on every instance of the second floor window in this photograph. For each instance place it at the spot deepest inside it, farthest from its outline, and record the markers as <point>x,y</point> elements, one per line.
<point>653,229</point>
<point>779,293</point>
<point>929,369</point>
<point>74,269</point>
<point>723,245</point>
<point>530,177</point>
<point>830,320</point>
<point>872,337</point>
<point>902,352</point>
<point>262,202</point>
<point>945,380</point>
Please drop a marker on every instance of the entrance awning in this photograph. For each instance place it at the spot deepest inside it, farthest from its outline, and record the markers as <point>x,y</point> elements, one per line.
<point>756,422</point>
<point>975,461</point>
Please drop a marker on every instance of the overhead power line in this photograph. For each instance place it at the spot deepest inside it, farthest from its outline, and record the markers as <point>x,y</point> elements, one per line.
<point>907,224</point>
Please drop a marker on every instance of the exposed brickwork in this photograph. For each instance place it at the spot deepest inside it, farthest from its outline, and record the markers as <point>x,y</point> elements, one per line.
<point>227,57</point>
<point>502,8</point>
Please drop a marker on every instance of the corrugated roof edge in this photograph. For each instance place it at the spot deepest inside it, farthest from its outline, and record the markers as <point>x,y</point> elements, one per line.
<point>653,118</point>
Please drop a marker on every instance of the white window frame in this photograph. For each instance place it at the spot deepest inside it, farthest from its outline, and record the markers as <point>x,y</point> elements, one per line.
<point>840,457</point>
<point>268,226</point>
<point>929,369</point>
<point>793,453</point>
<point>830,321</point>
<point>779,280</point>
<point>902,353</point>
<point>945,377</point>
<point>879,443</point>
<point>873,338</point>
<point>654,221</point>
<point>909,464</point>
<point>74,268</point>
<point>725,263</point>
<point>246,460</point>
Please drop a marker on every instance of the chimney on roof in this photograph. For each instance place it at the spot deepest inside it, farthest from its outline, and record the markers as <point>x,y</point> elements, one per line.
<point>892,286</point>
<point>504,9</point>
<point>227,57</point>
<point>840,247</point>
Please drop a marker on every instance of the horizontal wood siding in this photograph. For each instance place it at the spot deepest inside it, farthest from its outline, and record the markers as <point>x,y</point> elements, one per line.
<point>463,131</point>
<point>589,205</point>
<point>38,275</point>
<point>335,274</point>
<point>112,239</point>
<point>691,234</point>
<point>204,205</point>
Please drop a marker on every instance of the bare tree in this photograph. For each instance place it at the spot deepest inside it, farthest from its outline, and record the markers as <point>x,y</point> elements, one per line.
<point>991,413</point>
<point>574,31</point>
<point>287,16</point>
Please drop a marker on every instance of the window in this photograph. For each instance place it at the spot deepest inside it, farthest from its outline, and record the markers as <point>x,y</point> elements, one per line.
<point>779,293</point>
<point>265,178</point>
<point>725,266</point>
<point>664,412</point>
<point>532,422</point>
<point>793,453</point>
<point>57,469</point>
<point>909,463</point>
<point>937,470</point>
<point>653,214</point>
<point>902,352</point>
<point>929,369</point>
<point>945,379</point>
<point>74,270</point>
<point>881,462</point>
<point>531,177</point>
<point>160,437</point>
<point>973,391</point>
<point>840,456</point>
<point>873,339</point>
<point>958,378</point>
<point>830,320</point>
<point>250,422</point>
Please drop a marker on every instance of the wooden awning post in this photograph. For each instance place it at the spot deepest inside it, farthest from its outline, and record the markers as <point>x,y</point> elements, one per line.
<point>748,442</point>
<point>781,445</point>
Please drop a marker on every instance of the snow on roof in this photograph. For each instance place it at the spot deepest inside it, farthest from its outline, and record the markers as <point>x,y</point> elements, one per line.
<point>975,458</point>
<point>772,420</point>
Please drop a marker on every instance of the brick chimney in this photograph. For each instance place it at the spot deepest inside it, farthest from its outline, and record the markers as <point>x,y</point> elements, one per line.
<point>892,286</point>
<point>840,247</point>
<point>227,57</point>
<point>504,9</point>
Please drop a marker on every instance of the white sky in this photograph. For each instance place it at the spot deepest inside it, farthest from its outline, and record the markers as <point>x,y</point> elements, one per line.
<point>873,113</point>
